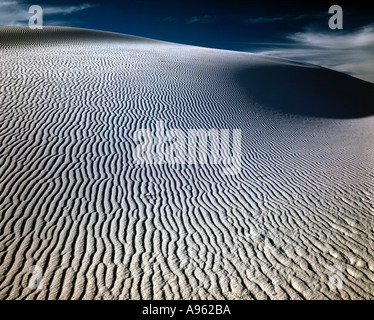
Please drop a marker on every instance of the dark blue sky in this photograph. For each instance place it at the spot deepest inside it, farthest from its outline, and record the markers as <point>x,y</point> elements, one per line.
<point>289,29</point>
<point>218,24</point>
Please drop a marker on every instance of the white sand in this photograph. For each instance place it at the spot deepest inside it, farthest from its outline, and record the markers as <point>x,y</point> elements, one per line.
<point>73,202</point>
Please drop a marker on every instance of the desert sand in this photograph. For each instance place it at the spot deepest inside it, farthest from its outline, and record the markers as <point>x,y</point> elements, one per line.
<point>73,202</point>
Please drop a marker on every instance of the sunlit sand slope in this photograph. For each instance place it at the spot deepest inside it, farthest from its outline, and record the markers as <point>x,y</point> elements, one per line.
<point>296,222</point>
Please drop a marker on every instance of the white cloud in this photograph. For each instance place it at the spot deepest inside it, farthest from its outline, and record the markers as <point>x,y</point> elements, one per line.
<point>361,38</point>
<point>16,12</point>
<point>67,9</point>
<point>349,53</point>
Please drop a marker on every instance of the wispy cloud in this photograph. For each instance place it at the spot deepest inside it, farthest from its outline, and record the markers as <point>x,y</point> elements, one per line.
<point>351,53</point>
<point>67,9</point>
<point>206,19</point>
<point>284,18</point>
<point>362,38</point>
<point>264,19</point>
<point>15,13</point>
<point>168,19</point>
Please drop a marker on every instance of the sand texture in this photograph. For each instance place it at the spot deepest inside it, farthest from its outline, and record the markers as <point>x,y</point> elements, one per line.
<point>100,226</point>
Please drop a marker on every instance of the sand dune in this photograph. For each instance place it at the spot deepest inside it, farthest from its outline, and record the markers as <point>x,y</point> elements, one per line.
<point>74,203</point>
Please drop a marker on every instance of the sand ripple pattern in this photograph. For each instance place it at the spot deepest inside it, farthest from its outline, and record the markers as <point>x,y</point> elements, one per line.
<point>73,201</point>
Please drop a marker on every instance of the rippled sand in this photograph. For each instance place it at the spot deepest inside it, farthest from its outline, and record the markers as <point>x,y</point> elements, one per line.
<point>74,203</point>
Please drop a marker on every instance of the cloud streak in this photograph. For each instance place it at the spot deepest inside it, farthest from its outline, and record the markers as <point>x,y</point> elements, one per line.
<point>67,9</point>
<point>15,13</point>
<point>206,19</point>
<point>168,19</point>
<point>283,18</point>
<point>349,53</point>
<point>265,19</point>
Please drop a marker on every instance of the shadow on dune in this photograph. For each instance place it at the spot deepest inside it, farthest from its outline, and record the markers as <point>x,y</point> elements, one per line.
<point>307,90</point>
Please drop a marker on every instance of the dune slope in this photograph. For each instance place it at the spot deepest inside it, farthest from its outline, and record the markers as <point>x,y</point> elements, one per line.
<point>295,223</point>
